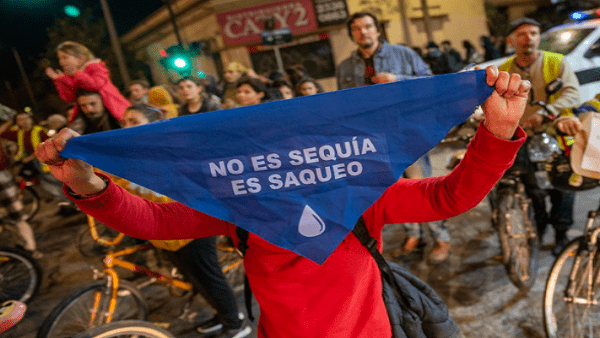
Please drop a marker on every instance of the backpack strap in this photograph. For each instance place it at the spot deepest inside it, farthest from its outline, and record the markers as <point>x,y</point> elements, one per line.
<point>243,246</point>
<point>362,234</point>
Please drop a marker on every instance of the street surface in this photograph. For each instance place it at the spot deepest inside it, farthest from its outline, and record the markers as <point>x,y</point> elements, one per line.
<point>472,281</point>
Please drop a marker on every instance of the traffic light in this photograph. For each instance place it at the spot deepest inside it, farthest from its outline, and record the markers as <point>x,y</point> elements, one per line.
<point>177,58</point>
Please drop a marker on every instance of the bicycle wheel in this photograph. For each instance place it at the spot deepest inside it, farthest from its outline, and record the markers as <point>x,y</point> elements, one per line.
<point>20,275</point>
<point>571,298</point>
<point>518,241</point>
<point>31,202</point>
<point>126,328</point>
<point>74,314</point>
<point>232,261</point>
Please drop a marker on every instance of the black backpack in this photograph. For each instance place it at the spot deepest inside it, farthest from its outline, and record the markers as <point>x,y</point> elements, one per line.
<point>414,308</point>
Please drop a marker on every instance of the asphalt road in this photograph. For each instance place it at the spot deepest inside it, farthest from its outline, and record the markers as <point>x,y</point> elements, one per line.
<point>472,281</point>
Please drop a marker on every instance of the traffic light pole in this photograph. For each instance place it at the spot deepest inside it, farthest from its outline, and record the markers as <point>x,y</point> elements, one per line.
<point>172,16</point>
<point>278,59</point>
<point>115,42</point>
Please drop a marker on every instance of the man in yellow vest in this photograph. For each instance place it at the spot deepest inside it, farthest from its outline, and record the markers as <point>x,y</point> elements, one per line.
<point>28,136</point>
<point>540,68</point>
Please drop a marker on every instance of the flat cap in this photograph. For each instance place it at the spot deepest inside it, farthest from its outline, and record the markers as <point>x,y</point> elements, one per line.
<point>522,21</point>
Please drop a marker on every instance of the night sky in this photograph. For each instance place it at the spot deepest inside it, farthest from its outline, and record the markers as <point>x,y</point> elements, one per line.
<point>23,25</point>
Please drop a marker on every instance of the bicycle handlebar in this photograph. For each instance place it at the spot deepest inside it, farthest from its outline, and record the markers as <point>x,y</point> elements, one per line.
<point>106,241</point>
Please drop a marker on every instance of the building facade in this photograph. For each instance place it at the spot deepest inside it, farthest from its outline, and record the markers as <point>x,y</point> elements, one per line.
<point>232,30</point>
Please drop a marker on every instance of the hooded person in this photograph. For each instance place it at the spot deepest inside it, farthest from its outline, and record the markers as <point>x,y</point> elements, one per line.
<point>160,97</point>
<point>233,72</point>
<point>436,59</point>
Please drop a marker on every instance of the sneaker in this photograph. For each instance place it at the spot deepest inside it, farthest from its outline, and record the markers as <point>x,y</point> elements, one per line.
<point>561,243</point>
<point>210,326</point>
<point>243,331</point>
<point>214,326</point>
<point>439,253</point>
<point>410,244</point>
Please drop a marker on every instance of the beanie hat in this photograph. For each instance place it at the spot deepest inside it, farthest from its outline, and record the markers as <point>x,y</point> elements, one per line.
<point>522,21</point>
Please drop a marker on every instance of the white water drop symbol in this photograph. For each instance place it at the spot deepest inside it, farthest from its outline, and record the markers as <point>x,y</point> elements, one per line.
<point>311,224</point>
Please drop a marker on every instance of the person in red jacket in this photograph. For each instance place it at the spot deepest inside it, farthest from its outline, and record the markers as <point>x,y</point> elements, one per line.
<point>298,297</point>
<point>81,69</point>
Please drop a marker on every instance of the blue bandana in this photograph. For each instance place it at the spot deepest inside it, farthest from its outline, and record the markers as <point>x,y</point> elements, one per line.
<point>297,172</point>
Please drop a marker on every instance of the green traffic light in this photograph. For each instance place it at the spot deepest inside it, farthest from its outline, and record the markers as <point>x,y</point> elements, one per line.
<point>180,63</point>
<point>72,11</point>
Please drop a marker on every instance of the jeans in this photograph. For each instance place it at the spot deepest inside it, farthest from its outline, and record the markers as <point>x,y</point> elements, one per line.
<point>438,229</point>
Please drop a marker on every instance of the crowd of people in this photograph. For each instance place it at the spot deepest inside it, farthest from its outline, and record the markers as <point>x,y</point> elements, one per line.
<point>97,105</point>
<point>446,59</point>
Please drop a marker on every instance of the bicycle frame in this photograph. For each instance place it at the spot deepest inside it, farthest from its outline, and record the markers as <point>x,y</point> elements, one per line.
<point>113,259</point>
<point>590,243</point>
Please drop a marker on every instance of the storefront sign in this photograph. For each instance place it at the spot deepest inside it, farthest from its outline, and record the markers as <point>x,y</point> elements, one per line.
<point>245,25</point>
<point>330,12</point>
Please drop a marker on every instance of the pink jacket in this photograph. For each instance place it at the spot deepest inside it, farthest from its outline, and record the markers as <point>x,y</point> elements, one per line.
<point>94,77</point>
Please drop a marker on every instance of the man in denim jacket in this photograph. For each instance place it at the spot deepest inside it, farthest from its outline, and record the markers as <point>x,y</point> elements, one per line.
<point>376,61</point>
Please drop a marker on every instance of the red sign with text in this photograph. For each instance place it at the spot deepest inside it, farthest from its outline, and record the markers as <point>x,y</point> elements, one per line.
<point>245,25</point>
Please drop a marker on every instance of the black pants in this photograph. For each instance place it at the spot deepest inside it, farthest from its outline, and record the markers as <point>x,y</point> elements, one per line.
<point>198,262</point>
<point>561,211</point>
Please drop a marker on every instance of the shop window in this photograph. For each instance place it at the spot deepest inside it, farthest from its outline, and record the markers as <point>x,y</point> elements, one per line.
<point>316,57</point>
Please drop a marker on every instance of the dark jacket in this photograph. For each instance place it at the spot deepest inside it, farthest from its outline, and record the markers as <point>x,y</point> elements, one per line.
<point>207,105</point>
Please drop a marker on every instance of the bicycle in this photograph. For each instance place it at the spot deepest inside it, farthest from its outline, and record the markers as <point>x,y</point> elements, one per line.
<point>97,239</point>
<point>571,298</point>
<point>29,197</point>
<point>111,299</point>
<point>512,215</point>
<point>126,328</point>
<point>20,275</point>
<point>571,305</point>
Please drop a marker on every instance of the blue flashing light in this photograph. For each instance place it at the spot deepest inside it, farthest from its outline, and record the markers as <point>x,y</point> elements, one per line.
<point>579,15</point>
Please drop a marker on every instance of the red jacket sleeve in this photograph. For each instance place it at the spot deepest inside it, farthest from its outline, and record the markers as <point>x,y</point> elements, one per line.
<point>436,198</point>
<point>140,218</point>
<point>65,85</point>
<point>93,78</point>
